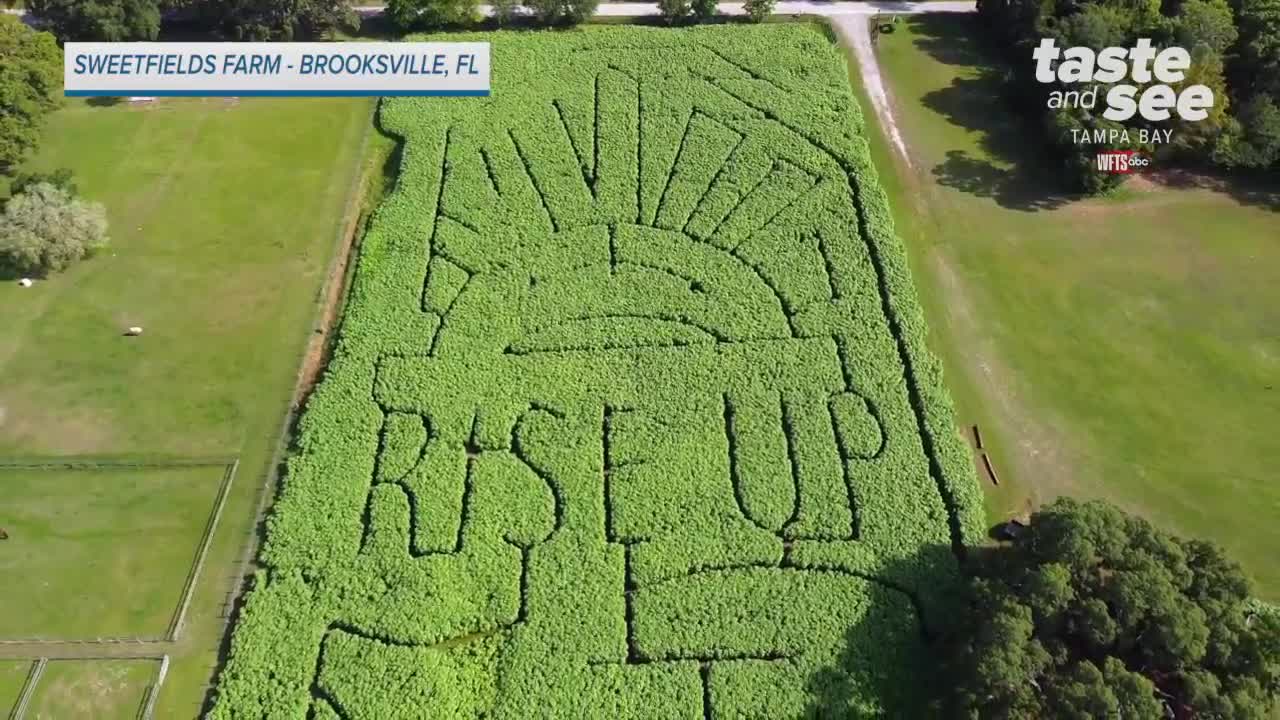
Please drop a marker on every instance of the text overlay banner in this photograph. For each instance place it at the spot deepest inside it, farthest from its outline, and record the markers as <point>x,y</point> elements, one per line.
<point>276,69</point>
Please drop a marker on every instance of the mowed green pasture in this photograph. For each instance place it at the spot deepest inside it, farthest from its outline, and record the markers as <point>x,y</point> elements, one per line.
<point>224,216</point>
<point>101,553</point>
<point>1123,348</point>
<point>13,677</point>
<point>631,415</point>
<point>99,689</point>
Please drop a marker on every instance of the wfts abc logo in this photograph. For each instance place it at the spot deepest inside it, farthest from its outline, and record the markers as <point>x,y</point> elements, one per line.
<point>1121,162</point>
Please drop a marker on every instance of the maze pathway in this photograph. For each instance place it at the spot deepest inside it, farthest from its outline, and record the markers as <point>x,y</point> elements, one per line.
<point>630,416</point>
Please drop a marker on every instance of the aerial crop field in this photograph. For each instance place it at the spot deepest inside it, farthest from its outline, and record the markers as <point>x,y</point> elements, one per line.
<point>631,413</point>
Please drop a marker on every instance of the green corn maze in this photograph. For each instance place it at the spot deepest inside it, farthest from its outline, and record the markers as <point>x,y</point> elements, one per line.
<point>631,414</point>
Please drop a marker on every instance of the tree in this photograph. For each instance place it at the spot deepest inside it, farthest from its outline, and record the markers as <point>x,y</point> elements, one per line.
<point>1257,64</point>
<point>1094,613</point>
<point>1252,139</point>
<point>101,20</point>
<point>758,10</point>
<point>1096,26</point>
<point>674,11</point>
<point>579,11</point>
<point>1206,21</point>
<point>546,11</point>
<point>282,19</point>
<point>1206,69</point>
<point>550,12</point>
<point>704,9</point>
<point>30,86</point>
<point>46,229</point>
<point>504,11</point>
<point>408,14</point>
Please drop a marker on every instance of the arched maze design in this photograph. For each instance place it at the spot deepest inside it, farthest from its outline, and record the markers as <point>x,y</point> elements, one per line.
<point>644,453</point>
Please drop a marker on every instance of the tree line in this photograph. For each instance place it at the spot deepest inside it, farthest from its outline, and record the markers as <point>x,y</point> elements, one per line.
<point>1235,51</point>
<point>134,20</point>
<point>124,20</point>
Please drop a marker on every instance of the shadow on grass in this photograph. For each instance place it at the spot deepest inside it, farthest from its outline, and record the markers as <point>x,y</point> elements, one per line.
<point>1009,170</point>
<point>890,665</point>
<point>1256,189</point>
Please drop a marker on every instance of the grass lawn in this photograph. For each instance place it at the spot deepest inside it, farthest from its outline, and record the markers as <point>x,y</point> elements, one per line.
<point>134,532</point>
<point>13,676</point>
<point>223,215</point>
<point>1123,348</point>
<point>99,689</point>
<point>224,218</point>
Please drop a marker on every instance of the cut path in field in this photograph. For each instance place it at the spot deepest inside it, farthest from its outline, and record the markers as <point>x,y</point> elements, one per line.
<point>856,33</point>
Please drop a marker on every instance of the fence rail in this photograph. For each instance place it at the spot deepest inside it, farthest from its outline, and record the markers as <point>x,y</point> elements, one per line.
<point>28,689</point>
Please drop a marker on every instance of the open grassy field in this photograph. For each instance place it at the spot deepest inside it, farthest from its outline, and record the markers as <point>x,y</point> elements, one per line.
<point>13,677</point>
<point>99,689</point>
<point>1123,348</point>
<point>631,413</point>
<point>218,212</point>
<point>224,216</point>
<point>101,553</point>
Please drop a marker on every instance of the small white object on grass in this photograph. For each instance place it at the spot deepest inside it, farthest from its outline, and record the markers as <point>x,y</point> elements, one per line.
<point>133,331</point>
<point>25,282</point>
<point>141,98</point>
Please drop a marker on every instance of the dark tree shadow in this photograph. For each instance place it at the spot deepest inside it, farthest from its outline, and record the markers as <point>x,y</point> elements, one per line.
<point>1258,189</point>
<point>1018,174</point>
<point>101,101</point>
<point>898,666</point>
<point>1010,188</point>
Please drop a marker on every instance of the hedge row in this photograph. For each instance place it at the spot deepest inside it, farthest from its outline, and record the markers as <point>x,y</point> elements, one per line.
<point>631,413</point>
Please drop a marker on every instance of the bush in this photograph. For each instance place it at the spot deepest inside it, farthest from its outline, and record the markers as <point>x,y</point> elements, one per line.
<point>704,9</point>
<point>46,229</point>
<point>674,11</point>
<point>758,10</point>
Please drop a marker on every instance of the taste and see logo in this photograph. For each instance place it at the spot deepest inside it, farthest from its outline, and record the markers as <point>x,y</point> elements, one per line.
<point>1141,64</point>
